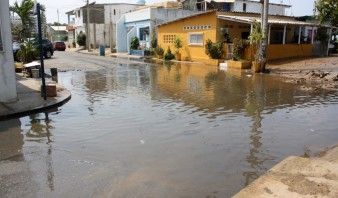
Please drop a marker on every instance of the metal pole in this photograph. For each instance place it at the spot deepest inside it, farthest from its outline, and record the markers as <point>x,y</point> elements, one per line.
<point>88,28</point>
<point>263,48</point>
<point>43,90</point>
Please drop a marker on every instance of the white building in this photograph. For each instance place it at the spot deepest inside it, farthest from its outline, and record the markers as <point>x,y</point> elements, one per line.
<point>248,6</point>
<point>103,18</point>
<point>142,22</point>
<point>8,92</point>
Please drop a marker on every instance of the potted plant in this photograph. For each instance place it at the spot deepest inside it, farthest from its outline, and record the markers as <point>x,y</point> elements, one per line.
<point>178,43</point>
<point>169,55</point>
<point>256,37</point>
<point>237,59</point>
<point>159,52</point>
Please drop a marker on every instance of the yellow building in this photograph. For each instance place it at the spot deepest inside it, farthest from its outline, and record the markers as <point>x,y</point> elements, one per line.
<point>285,40</point>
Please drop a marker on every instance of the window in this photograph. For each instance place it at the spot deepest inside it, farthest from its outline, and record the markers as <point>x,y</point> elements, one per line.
<point>143,33</point>
<point>78,13</point>
<point>169,38</point>
<point>1,44</point>
<point>196,39</point>
<point>114,12</point>
<point>244,7</point>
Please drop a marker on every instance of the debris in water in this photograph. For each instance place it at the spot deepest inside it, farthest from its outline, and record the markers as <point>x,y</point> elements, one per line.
<point>249,75</point>
<point>142,141</point>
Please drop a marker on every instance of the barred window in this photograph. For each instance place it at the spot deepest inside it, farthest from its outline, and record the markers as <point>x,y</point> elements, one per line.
<point>169,38</point>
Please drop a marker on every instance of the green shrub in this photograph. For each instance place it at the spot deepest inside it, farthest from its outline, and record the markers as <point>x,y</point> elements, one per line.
<point>81,39</point>
<point>134,43</point>
<point>169,55</point>
<point>239,47</point>
<point>159,51</point>
<point>214,50</point>
<point>178,43</point>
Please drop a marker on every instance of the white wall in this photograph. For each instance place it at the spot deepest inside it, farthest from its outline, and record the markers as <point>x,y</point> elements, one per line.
<point>112,13</point>
<point>8,92</point>
<point>257,7</point>
<point>149,17</point>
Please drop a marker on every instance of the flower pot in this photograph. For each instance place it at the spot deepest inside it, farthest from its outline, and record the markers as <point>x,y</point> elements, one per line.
<point>256,66</point>
<point>178,56</point>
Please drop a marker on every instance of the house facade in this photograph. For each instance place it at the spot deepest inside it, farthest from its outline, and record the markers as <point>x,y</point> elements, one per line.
<point>57,33</point>
<point>102,20</point>
<point>142,23</point>
<point>247,6</point>
<point>8,92</point>
<point>284,34</point>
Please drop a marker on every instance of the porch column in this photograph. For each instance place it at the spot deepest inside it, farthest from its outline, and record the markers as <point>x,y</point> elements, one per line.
<point>313,35</point>
<point>299,34</point>
<point>328,43</point>
<point>284,35</point>
<point>269,33</point>
<point>251,29</point>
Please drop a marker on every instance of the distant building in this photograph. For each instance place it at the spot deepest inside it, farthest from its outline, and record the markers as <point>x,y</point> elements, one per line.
<point>142,22</point>
<point>248,6</point>
<point>8,92</point>
<point>57,33</point>
<point>103,18</point>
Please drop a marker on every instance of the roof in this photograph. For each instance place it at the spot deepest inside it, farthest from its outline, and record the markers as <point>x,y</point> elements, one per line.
<point>59,28</point>
<point>197,14</point>
<point>251,20</point>
<point>232,1</point>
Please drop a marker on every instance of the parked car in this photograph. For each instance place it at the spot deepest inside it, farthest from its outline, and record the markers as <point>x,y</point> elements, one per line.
<point>47,47</point>
<point>60,46</point>
<point>16,48</point>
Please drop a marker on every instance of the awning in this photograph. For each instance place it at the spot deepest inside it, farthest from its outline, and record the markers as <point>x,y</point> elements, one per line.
<point>251,20</point>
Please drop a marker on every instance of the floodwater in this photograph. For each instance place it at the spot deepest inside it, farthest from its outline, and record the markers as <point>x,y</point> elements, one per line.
<point>164,131</point>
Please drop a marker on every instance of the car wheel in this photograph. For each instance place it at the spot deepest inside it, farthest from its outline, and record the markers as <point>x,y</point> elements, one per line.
<point>48,54</point>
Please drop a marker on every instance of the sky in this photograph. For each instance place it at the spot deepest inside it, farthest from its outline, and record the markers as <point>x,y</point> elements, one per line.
<point>299,7</point>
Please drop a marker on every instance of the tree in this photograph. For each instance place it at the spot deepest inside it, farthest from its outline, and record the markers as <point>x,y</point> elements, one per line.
<point>327,11</point>
<point>24,12</point>
<point>81,39</point>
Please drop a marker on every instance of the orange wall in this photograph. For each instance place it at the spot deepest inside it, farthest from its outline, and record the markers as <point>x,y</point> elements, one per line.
<point>189,52</point>
<point>288,51</point>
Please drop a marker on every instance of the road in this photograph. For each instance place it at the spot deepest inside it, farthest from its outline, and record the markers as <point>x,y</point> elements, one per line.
<point>69,60</point>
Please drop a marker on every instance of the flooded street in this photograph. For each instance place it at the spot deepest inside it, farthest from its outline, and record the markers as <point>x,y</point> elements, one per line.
<point>171,130</point>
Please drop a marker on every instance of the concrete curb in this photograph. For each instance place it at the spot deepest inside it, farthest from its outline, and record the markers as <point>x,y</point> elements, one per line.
<point>30,100</point>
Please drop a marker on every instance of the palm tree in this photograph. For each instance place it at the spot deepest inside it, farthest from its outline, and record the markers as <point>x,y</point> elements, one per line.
<point>24,11</point>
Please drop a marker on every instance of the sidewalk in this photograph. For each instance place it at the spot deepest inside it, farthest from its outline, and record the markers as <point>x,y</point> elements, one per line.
<point>29,98</point>
<point>298,177</point>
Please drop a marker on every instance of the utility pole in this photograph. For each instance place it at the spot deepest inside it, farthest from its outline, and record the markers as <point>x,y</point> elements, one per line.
<point>88,28</point>
<point>264,26</point>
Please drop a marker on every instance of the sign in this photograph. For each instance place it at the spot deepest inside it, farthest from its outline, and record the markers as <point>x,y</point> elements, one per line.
<point>1,43</point>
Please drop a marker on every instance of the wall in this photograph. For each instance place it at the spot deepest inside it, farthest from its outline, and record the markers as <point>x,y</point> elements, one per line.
<point>112,13</point>
<point>121,43</point>
<point>8,92</point>
<point>256,7</point>
<point>288,51</point>
<point>192,53</point>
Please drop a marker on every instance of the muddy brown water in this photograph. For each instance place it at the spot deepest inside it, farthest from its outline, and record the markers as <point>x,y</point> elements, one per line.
<point>171,130</point>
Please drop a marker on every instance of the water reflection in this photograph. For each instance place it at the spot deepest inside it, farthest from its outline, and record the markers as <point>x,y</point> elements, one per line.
<point>174,129</point>
<point>40,131</point>
<point>11,140</point>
